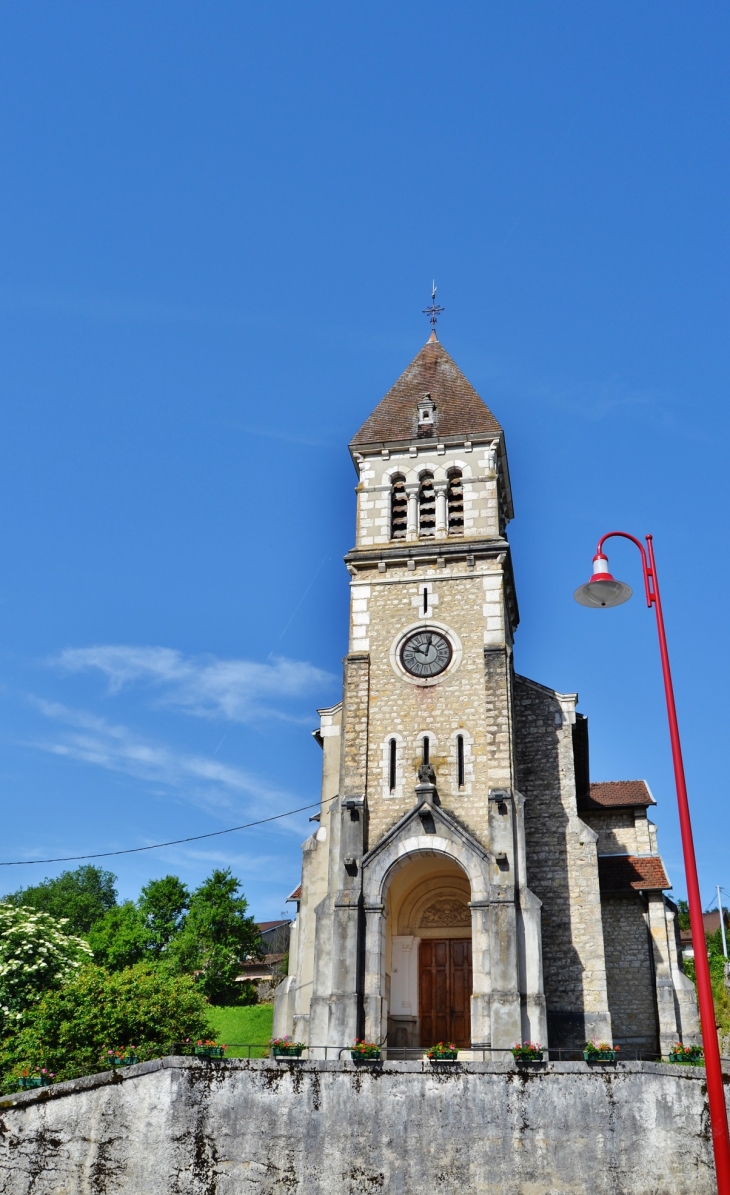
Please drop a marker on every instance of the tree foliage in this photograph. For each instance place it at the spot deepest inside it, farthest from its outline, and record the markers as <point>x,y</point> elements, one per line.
<point>683,914</point>
<point>81,897</point>
<point>216,936</point>
<point>163,904</point>
<point>70,1030</point>
<point>120,938</point>
<point>36,954</point>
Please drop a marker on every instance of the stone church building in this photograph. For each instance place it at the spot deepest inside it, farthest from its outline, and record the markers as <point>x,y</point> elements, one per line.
<point>466,882</point>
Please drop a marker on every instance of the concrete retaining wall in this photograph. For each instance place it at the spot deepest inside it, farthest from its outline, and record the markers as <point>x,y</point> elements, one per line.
<point>182,1125</point>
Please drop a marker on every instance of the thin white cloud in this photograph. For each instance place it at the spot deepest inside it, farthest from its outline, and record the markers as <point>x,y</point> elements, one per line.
<point>204,686</point>
<point>115,308</point>
<point>267,867</point>
<point>199,778</point>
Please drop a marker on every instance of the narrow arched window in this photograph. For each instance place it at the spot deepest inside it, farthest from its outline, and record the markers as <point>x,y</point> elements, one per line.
<point>460,760</point>
<point>398,508</point>
<point>427,506</point>
<point>455,503</point>
<point>392,765</point>
<point>426,749</point>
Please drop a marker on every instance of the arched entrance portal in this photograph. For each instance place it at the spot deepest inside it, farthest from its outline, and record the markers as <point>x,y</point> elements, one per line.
<point>428,957</point>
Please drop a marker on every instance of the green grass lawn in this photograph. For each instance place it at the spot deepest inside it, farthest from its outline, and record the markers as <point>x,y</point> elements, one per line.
<point>243,1025</point>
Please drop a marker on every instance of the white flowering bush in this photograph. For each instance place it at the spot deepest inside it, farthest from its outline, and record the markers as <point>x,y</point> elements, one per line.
<point>36,955</point>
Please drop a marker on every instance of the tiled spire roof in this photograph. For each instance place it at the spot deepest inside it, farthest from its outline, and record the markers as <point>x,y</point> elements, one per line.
<point>459,409</point>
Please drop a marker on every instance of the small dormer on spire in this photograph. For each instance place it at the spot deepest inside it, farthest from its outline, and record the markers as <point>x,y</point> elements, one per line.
<point>426,413</point>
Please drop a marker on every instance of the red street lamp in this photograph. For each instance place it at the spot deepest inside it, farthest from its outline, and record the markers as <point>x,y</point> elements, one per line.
<point>603,591</point>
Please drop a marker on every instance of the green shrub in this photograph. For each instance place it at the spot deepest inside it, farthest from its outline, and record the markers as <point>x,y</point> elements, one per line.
<point>70,1030</point>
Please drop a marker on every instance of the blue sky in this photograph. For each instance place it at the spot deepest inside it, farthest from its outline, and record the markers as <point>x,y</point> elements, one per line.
<point>219,227</point>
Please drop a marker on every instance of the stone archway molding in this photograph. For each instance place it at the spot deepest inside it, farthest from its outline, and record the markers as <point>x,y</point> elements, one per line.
<point>425,831</point>
<point>408,839</point>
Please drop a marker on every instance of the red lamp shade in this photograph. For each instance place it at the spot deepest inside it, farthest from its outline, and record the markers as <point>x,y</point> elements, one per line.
<point>602,590</point>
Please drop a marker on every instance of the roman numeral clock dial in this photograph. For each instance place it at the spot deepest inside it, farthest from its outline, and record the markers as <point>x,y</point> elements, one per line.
<point>426,654</point>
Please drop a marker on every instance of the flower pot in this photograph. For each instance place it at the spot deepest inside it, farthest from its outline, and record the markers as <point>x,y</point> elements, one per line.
<point>599,1055</point>
<point>364,1059</point>
<point>290,1052</point>
<point>536,1056</point>
<point>448,1058</point>
<point>691,1058</point>
<point>210,1051</point>
<point>28,1082</point>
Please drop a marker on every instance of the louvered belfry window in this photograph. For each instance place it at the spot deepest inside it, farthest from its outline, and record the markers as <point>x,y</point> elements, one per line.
<point>427,506</point>
<point>455,501</point>
<point>398,508</point>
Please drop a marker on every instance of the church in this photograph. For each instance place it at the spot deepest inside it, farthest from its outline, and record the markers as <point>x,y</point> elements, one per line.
<point>466,881</point>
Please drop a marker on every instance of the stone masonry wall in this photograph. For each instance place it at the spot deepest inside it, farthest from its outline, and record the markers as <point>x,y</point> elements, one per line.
<point>622,831</point>
<point>561,868</point>
<point>354,768</point>
<point>186,1127</point>
<point>467,601</point>
<point>631,996</point>
<point>616,830</point>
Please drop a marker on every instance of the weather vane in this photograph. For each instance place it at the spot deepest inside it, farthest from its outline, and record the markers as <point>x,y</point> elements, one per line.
<point>433,312</point>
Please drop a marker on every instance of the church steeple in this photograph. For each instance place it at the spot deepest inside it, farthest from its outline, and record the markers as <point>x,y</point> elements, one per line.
<point>460,414</point>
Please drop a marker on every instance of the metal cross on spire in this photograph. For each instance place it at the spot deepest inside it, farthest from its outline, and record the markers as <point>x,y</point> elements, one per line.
<point>434,311</point>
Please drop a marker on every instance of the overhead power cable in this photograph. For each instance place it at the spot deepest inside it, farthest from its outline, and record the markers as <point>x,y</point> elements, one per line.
<point>156,846</point>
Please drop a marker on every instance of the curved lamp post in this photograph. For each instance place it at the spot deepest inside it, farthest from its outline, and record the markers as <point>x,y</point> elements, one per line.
<point>603,591</point>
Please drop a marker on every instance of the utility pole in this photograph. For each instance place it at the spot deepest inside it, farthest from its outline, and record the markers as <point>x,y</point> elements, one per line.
<point>722,923</point>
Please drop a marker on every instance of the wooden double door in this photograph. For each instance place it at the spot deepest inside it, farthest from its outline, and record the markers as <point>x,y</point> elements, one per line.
<point>444,990</point>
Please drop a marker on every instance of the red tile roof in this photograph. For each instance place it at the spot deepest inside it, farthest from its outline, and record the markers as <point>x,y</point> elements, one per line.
<point>295,895</point>
<point>266,925</point>
<point>622,873</point>
<point>613,794</point>
<point>459,409</point>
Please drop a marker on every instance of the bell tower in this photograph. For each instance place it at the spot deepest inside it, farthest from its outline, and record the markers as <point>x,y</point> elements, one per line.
<point>433,607</point>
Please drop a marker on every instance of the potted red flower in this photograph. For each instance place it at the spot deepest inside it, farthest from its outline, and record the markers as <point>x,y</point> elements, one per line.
<point>365,1051</point>
<point>209,1049</point>
<point>443,1052</point>
<point>527,1051</point>
<point>284,1047</point>
<point>124,1056</point>
<point>600,1051</point>
<point>687,1055</point>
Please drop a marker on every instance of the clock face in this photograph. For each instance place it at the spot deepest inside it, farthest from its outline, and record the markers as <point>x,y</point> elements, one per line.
<point>427,653</point>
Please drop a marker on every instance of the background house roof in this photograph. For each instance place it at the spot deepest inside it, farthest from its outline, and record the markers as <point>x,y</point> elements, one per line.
<point>711,923</point>
<point>459,411</point>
